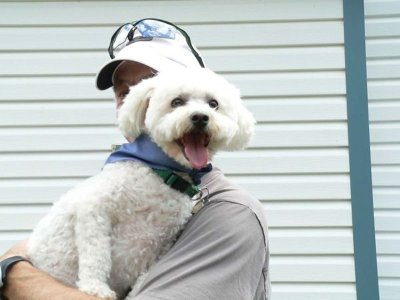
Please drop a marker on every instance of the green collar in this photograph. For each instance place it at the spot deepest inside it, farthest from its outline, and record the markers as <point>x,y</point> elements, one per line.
<point>176,182</point>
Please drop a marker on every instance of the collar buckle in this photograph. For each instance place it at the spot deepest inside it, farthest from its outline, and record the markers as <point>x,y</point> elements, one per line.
<point>177,182</point>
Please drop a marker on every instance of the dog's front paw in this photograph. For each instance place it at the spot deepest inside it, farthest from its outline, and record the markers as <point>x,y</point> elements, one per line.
<point>97,288</point>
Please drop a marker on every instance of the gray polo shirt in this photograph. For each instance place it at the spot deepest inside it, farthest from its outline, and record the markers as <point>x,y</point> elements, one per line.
<point>222,253</point>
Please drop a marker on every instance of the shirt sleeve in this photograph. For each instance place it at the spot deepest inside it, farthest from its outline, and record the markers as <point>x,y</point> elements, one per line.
<point>219,255</point>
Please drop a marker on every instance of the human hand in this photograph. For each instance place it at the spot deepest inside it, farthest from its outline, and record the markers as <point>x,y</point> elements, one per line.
<point>18,249</point>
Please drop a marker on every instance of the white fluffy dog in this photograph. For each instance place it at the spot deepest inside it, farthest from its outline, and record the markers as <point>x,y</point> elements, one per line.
<point>106,232</point>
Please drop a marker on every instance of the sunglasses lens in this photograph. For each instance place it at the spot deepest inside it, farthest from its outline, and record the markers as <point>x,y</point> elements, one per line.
<point>156,29</point>
<point>121,40</point>
<point>146,29</point>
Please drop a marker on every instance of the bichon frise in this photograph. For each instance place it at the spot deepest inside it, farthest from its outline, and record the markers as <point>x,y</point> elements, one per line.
<point>105,233</point>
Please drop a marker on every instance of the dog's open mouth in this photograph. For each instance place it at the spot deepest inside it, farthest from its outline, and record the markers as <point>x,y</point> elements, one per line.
<point>194,145</point>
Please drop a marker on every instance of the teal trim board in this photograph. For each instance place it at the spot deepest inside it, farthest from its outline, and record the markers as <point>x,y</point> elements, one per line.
<point>359,152</point>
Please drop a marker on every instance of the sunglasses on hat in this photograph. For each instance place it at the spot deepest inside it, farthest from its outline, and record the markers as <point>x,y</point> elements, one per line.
<point>147,30</point>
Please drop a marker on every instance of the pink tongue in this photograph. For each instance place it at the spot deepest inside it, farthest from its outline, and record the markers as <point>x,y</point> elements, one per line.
<point>195,150</point>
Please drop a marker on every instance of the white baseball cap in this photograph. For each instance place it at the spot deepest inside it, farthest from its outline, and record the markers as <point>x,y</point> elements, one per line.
<point>156,43</point>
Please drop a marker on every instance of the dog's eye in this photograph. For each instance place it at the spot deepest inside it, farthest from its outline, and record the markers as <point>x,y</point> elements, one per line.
<point>213,103</point>
<point>177,102</point>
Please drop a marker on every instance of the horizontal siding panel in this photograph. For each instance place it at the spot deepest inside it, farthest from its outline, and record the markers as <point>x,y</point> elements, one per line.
<point>253,162</point>
<point>100,138</point>
<point>384,90</point>
<point>219,60</point>
<point>382,48</point>
<point>387,243</point>
<point>312,269</point>
<point>35,190</point>
<point>382,27</point>
<point>262,34</point>
<point>66,13</point>
<point>389,288</point>
<point>21,217</point>
<point>311,241</point>
<point>305,187</point>
<point>8,239</point>
<point>266,188</point>
<point>387,220</point>
<point>386,197</point>
<point>386,175</point>
<point>58,113</point>
<point>51,88</point>
<point>301,135</point>
<point>52,63</point>
<point>254,85</point>
<point>298,109</point>
<point>385,154</point>
<point>50,165</point>
<point>59,139</point>
<point>290,34</point>
<point>103,112</point>
<point>320,291</point>
<point>290,84</point>
<point>284,161</point>
<point>389,266</point>
<point>384,111</point>
<point>383,69</point>
<point>385,132</point>
<point>275,59</point>
<point>309,214</point>
<point>375,8</point>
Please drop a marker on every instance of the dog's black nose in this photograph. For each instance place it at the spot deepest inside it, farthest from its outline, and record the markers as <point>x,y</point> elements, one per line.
<point>199,120</point>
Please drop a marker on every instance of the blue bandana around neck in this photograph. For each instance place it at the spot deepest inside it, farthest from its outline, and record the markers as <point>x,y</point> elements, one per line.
<point>145,150</point>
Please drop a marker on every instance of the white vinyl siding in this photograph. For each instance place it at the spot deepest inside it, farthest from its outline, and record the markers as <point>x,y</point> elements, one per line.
<point>383,68</point>
<point>286,56</point>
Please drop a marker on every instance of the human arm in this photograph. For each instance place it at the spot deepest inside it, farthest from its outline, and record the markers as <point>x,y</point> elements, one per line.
<point>220,255</point>
<point>25,282</point>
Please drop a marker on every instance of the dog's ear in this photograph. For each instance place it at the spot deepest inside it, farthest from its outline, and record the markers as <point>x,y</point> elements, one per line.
<point>132,113</point>
<point>245,129</point>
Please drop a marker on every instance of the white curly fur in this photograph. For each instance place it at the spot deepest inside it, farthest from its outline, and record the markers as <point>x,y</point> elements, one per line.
<point>105,233</point>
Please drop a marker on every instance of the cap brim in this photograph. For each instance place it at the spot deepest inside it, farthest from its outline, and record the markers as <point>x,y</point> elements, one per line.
<point>104,77</point>
<point>158,55</point>
<point>156,62</point>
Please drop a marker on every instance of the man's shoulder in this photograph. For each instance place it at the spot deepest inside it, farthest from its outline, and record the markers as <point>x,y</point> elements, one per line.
<point>220,188</point>
<point>227,223</point>
<point>233,198</point>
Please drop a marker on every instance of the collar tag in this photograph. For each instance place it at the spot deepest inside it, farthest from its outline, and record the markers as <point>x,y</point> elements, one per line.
<point>201,199</point>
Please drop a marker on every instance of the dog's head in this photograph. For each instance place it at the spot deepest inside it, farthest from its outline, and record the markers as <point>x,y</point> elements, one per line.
<point>190,115</point>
